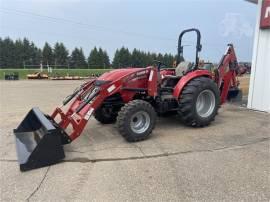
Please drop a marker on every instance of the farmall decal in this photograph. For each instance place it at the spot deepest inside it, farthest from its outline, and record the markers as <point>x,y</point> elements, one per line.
<point>265,15</point>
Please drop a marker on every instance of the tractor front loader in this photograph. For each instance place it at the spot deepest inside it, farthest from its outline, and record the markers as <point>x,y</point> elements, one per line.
<point>131,97</point>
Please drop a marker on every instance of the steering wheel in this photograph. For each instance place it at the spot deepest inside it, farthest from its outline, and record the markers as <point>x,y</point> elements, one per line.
<point>160,64</point>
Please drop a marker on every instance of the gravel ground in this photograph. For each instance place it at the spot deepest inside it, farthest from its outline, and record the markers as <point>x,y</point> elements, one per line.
<point>227,161</point>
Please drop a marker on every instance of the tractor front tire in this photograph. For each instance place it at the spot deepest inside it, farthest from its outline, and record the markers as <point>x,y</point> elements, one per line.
<point>136,120</point>
<point>199,102</point>
<point>105,115</point>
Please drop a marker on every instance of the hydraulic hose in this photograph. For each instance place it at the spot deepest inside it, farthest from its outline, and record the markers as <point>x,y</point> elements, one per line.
<point>93,94</point>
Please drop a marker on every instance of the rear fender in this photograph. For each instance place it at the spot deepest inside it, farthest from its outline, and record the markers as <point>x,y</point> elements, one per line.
<point>187,78</point>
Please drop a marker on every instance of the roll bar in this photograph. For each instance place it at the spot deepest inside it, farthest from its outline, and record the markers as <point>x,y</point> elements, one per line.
<point>198,46</point>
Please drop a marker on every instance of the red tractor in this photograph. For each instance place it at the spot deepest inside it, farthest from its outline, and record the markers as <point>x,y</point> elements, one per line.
<point>131,97</point>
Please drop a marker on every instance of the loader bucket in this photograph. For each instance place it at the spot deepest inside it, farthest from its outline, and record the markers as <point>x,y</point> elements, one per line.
<point>39,141</point>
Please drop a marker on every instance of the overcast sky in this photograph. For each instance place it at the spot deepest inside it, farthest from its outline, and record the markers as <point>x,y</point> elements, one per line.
<point>149,25</point>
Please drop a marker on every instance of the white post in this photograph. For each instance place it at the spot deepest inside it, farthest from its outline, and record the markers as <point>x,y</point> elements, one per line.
<point>41,67</point>
<point>259,85</point>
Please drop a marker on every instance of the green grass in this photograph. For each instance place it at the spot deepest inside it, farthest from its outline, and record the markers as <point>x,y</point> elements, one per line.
<point>60,72</point>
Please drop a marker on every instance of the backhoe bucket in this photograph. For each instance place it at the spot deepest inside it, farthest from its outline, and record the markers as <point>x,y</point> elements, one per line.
<point>39,141</point>
<point>235,95</point>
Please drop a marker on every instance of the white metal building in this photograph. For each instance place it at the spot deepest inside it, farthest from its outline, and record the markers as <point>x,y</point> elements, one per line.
<point>259,90</point>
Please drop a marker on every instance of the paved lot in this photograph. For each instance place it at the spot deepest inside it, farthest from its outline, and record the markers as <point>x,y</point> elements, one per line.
<point>227,161</point>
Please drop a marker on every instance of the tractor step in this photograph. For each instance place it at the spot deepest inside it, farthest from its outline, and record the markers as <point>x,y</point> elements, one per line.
<point>167,96</point>
<point>135,89</point>
<point>166,89</point>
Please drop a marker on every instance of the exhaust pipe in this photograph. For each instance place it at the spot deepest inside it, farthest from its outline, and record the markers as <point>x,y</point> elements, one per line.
<point>39,141</point>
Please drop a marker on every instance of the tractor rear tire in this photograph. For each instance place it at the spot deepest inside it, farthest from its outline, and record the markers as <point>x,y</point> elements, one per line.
<point>136,120</point>
<point>199,102</point>
<point>105,115</point>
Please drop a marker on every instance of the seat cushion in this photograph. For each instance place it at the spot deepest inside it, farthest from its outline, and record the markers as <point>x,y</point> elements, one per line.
<point>182,67</point>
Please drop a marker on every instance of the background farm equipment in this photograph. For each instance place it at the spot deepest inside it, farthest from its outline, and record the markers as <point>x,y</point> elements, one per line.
<point>131,97</point>
<point>37,75</point>
<point>12,76</point>
<point>68,77</point>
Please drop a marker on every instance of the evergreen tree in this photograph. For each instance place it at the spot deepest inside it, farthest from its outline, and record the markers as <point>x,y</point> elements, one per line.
<point>60,55</point>
<point>7,53</point>
<point>93,59</point>
<point>115,62</point>
<point>98,59</point>
<point>19,51</point>
<point>168,60</point>
<point>122,58</point>
<point>31,55</point>
<point>149,59</point>
<point>47,55</point>
<point>26,56</point>
<point>35,55</point>
<point>16,54</point>
<point>159,57</point>
<point>105,60</point>
<point>137,58</point>
<point>78,59</point>
<point>1,53</point>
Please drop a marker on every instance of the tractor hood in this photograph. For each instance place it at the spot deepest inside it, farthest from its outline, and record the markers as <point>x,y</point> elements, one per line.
<point>118,73</point>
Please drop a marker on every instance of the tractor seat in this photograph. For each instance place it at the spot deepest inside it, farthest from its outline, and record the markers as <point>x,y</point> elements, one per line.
<point>180,70</point>
<point>182,67</point>
<point>171,80</point>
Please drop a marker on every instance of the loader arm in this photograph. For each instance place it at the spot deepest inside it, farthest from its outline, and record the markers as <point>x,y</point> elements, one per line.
<point>90,97</point>
<point>225,75</point>
<point>81,109</point>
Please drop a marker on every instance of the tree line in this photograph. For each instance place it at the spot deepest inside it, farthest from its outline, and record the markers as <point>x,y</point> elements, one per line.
<point>23,53</point>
